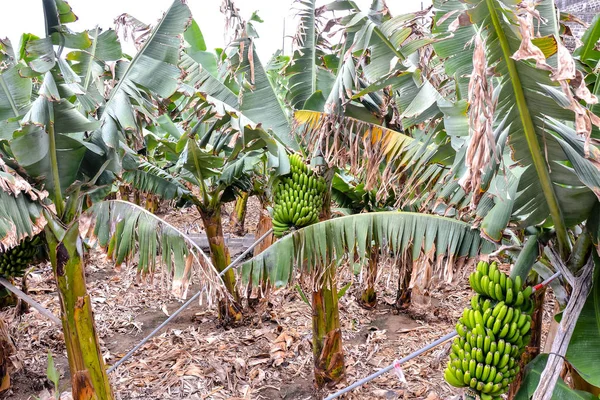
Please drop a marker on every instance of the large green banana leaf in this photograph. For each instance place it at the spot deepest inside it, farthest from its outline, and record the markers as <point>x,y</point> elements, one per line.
<point>154,68</point>
<point>89,61</point>
<point>202,70</point>
<point>549,190</point>
<point>444,239</point>
<point>148,178</point>
<point>305,74</point>
<point>220,152</point>
<point>252,95</point>
<point>53,132</point>
<point>532,377</point>
<point>15,96</point>
<point>259,101</point>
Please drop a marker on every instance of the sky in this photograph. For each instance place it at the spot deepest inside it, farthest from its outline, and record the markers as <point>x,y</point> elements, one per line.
<point>26,16</point>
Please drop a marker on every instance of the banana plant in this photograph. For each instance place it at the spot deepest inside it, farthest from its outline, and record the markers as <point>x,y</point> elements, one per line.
<point>61,140</point>
<point>352,198</point>
<point>327,245</point>
<point>308,84</point>
<point>525,183</point>
<point>539,112</point>
<point>217,152</point>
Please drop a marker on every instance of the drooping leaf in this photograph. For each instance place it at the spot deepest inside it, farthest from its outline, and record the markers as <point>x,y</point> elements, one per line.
<point>37,53</point>
<point>15,94</point>
<point>585,166</point>
<point>304,73</point>
<point>150,179</point>
<point>445,239</point>
<point>194,37</point>
<point>65,12</point>
<point>199,68</point>
<point>80,40</point>
<point>51,130</point>
<point>20,208</point>
<point>90,62</point>
<point>258,100</point>
<point>378,156</point>
<point>527,96</point>
<point>125,230</point>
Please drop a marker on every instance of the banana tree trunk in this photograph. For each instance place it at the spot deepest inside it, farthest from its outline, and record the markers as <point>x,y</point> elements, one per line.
<point>265,223</point>
<point>152,203</point>
<point>88,373</point>
<point>328,353</point>
<point>7,349</point>
<point>368,297</point>
<point>403,295</point>
<point>329,367</point>
<point>137,197</point>
<point>124,192</point>
<point>238,217</point>
<point>219,253</point>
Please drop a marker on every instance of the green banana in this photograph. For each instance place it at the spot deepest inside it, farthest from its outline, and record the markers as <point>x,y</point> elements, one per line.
<point>520,299</point>
<point>489,358</point>
<point>466,378</point>
<point>497,308</point>
<point>484,283</point>
<point>498,290</point>
<point>518,283</point>
<point>472,367</point>
<point>479,370</point>
<point>509,316</point>
<point>525,328</point>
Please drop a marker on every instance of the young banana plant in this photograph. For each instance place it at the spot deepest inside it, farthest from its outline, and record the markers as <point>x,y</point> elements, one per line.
<point>217,153</point>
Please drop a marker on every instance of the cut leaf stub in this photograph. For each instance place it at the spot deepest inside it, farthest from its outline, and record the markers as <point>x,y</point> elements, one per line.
<point>298,198</point>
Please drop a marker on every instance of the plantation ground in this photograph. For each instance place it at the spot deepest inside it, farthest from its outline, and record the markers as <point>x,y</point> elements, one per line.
<point>267,357</point>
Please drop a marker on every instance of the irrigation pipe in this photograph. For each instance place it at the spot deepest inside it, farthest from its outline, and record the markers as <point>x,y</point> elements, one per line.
<point>20,294</point>
<point>422,350</point>
<point>185,305</point>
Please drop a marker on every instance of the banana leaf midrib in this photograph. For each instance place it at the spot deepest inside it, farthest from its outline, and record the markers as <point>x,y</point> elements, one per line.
<point>530,134</point>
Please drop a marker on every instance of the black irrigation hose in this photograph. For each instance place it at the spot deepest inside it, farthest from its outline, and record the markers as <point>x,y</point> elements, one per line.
<point>185,305</point>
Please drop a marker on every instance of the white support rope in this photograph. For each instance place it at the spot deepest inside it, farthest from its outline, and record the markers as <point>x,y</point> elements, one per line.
<point>417,353</point>
<point>185,305</point>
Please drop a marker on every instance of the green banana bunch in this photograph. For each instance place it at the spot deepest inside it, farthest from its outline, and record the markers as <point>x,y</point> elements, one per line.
<point>488,281</point>
<point>492,333</point>
<point>297,198</point>
<point>15,261</point>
